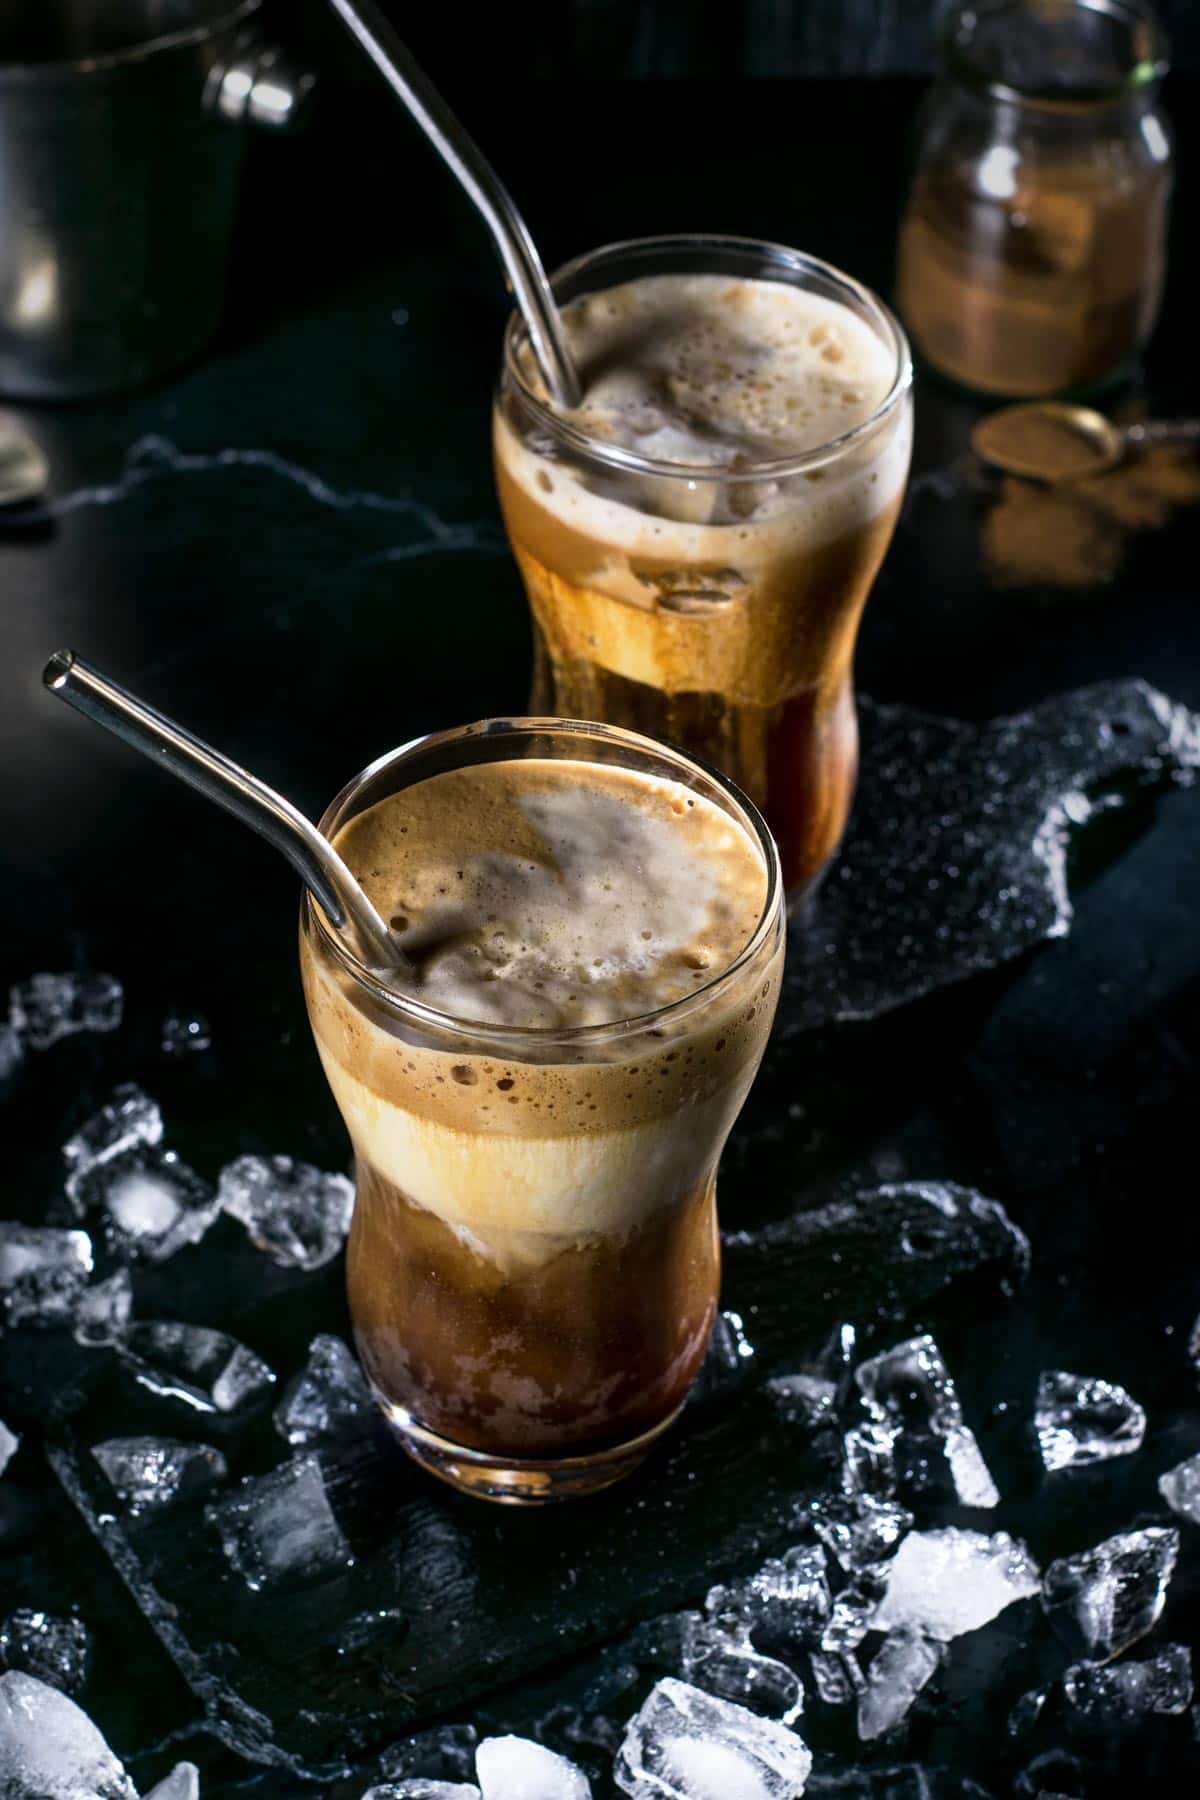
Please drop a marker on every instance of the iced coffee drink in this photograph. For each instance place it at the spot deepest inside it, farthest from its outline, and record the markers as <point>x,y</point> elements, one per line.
<point>537,1107</point>
<point>699,536</point>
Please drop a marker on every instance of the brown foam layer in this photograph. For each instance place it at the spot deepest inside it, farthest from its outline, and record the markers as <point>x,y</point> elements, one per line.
<point>721,371</point>
<point>662,895</point>
<point>587,1348</point>
<point>557,894</point>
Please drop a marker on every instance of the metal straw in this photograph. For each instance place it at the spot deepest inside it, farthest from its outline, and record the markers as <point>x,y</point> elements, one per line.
<point>320,867</point>
<point>522,264</point>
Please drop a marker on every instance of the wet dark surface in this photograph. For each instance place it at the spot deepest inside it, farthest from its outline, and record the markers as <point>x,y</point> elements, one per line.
<point>294,548</point>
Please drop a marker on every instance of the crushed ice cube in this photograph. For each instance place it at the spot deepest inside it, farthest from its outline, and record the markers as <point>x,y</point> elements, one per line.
<point>129,1119</point>
<point>811,1395</point>
<point>151,1204</point>
<point>1180,1488</point>
<point>280,1527</point>
<point>806,1400</point>
<point>185,1032</point>
<point>687,1745</point>
<point>205,1369</point>
<point>734,1670</point>
<point>786,1600</point>
<point>973,1481</point>
<point>854,1610</point>
<point>102,1311</point>
<point>9,1440</point>
<point>183,1783</point>
<point>45,1008</point>
<point>1104,1599</point>
<point>328,1393</point>
<point>910,1383</point>
<point>418,1788</point>
<point>49,1748</point>
<point>58,1651</point>
<point>836,1677</point>
<point>515,1768</point>
<point>1080,1420</point>
<point>148,1474</point>
<point>905,1662</point>
<point>42,1272</point>
<point>297,1214</point>
<point>910,1388</point>
<point>858,1529</point>
<point>1126,1692</point>
<point>945,1583</point>
<point>869,1461</point>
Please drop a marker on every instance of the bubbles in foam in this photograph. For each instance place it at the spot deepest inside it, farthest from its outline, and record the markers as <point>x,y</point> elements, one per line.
<point>704,370</point>
<point>557,894</point>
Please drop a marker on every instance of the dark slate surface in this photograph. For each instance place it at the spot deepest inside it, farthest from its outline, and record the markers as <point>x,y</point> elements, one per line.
<point>294,547</point>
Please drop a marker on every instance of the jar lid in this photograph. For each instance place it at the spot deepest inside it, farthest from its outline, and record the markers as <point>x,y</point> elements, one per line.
<point>1055,53</point>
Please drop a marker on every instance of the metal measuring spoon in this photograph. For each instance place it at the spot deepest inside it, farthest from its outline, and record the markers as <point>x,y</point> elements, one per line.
<point>1056,441</point>
<point>522,264</point>
<point>321,869</point>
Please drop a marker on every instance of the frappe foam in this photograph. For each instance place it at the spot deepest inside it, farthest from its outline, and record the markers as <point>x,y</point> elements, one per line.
<point>717,374</point>
<point>722,373</point>
<point>557,894</point>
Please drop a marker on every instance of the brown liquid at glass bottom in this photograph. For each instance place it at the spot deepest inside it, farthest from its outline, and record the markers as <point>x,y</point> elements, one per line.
<point>564,1358</point>
<point>798,761</point>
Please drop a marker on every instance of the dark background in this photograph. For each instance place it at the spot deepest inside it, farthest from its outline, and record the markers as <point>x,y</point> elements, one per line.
<point>545,39</point>
<point>358,352</point>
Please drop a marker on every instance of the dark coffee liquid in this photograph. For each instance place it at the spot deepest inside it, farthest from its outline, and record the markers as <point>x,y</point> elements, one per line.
<point>565,1355</point>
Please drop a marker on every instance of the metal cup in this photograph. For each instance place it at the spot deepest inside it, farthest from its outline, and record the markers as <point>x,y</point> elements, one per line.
<point>120,151</point>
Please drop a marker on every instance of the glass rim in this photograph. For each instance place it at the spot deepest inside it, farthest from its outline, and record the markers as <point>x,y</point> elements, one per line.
<point>1143,73</point>
<point>45,68</point>
<point>618,456</point>
<point>514,1037</point>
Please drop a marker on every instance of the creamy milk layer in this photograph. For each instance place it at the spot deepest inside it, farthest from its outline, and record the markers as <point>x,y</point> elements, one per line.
<point>551,894</point>
<point>712,372</point>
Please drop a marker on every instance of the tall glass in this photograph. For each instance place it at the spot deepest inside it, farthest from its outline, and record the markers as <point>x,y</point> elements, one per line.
<point>532,1285</point>
<point>714,607</point>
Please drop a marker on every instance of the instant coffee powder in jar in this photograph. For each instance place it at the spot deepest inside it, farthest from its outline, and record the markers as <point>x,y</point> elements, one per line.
<point>1033,245</point>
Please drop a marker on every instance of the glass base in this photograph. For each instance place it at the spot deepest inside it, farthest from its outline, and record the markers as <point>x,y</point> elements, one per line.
<point>518,1481</point>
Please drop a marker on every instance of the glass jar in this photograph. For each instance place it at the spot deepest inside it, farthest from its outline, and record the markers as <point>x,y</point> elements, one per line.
<point>1033,246</point>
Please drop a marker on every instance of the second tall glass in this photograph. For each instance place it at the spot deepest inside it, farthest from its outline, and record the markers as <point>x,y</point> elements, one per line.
<point>714,606</point>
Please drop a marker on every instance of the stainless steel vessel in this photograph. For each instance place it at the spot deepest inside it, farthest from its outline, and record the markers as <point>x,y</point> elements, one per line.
<point>120,149</point>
